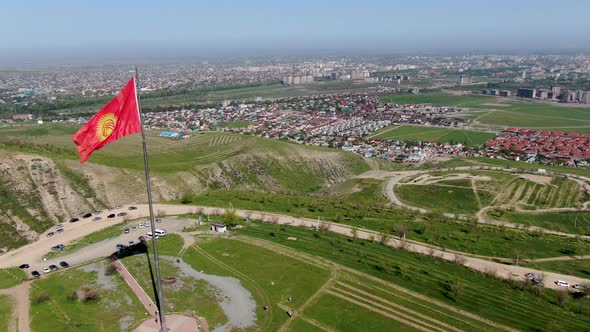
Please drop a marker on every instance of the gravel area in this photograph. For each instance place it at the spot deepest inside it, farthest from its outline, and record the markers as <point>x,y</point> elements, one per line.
<point>238,304</point>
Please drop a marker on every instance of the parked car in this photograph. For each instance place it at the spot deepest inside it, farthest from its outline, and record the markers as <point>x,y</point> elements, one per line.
<point>61,230</point>
<point>74,220</point>
<point>122,214</point>
<point>111,208</point>
<point>146,224</point>
<point>87,215</point>
<point>53,267</point>
<point>45,270</point>
<point>112,215</point>
<point>578,287</point>
<point>97,212</point>
<point>50,234</point>
<point>562,283</point>
<point>36,274</point>
<point>133,228</point>
<point>158,220</point>
<point>132,208</point>
<point>139,225</point>
<point>58,247</point>
<point>97,219</point>
<point>131,243</point>
<point>64,264</point>
<point>126,231</point>
<point>58,226</point>
<point>118,206</point>
<point>529,275</point>
<point>24,266</point>
<point>121,246</point>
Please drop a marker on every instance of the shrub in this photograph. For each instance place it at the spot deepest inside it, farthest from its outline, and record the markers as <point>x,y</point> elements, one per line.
<point>89,295</point>
<point>41,298</point>
<point>110,270</point>
<point>73,296</point>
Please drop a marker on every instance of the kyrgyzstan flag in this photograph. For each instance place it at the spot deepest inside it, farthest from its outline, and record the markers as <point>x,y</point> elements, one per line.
<point>120,117</point>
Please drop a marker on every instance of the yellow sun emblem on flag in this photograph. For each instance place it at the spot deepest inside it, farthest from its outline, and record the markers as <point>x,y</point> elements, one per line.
<point>106,126</point>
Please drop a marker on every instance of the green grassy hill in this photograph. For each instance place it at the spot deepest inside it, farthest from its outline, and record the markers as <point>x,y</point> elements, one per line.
<point>40,170</point>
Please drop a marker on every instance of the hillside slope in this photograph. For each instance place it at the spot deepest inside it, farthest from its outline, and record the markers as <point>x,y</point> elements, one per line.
<point>42,182</point>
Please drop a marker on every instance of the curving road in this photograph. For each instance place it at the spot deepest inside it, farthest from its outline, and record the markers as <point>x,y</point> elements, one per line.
<point>33,253</point>
<point>481,214</point>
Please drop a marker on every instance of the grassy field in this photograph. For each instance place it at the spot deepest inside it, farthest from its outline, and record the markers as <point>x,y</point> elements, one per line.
<point>439,198</point>
<point>570,222</point>
<point>240,158</point>
<point>351,317</point>
<point>270,277</point>
<point>183,294</point>
<point>500,301</point>
<point>507,112</point>
<point>578,268</point>
<point>5,312</point>
<point>11,277</point>
<point>494,188</point>
<point>376,215</point>
<point>238,124</point>
<point>61,301</point>
<point>434,134</point>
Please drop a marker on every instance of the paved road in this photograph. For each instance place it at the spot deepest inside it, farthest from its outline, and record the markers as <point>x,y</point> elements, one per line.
<point>34,252</point>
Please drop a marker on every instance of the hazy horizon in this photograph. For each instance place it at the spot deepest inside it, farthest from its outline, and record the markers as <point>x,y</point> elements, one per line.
<point>63,31</point>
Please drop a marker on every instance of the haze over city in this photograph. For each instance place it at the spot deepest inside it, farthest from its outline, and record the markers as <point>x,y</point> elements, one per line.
<point>146,29</point>
<point>305,166</point>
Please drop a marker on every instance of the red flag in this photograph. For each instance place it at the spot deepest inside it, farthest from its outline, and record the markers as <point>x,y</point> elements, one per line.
<point>120,117</point>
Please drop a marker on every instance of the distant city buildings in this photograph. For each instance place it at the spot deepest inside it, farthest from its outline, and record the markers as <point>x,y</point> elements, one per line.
<point>555,93</point>
<point>464,79</point>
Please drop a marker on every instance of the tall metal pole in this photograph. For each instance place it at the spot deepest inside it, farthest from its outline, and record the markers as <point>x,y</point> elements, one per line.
<point>159,294</point>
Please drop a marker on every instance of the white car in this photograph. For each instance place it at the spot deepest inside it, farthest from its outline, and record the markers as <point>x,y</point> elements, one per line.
<point>562,283</point>
<point>45,270</point>
<point>139,225</point>
<point>146,224</point>
<point>578,286</point>
<point>58,226</point>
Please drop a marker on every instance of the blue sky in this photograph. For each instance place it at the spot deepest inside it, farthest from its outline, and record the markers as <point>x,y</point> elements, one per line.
<point>318,24</point>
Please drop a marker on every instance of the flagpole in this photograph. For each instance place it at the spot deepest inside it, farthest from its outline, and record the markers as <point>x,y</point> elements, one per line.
<point>159,294</point>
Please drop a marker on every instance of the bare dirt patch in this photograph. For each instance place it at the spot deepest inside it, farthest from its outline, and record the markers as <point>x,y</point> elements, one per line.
<point>540,179</point>
<point>429,179</point>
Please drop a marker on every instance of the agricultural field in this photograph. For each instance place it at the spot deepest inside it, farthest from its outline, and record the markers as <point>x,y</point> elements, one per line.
<point>569,222</point>
<point>468,192</point>
<point>88,298</point>
<point>507,112</point>
<point>396,278</point>
<point>434,134</point>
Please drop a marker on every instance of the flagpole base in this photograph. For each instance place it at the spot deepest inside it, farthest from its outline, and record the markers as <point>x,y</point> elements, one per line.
<point>175,323</point>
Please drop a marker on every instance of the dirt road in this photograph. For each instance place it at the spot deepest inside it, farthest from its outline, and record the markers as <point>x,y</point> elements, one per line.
<point>37,250</point>
<point>19,320</point>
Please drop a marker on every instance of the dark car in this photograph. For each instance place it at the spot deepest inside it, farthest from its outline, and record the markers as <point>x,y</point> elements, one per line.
<point>61,230</point>
<point>58,247</point>
<point>36,274</point>
<point>158,220</point>
<point>63,264</point>
<point>112,215</point>
<point>74,220</point>
<point>87,215</point>
<point>126,231</point>
<point>132,208</point>
<point>24,266</point>
<point>50,234</point>
<point>122,214</point>
<point>53,267</point>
